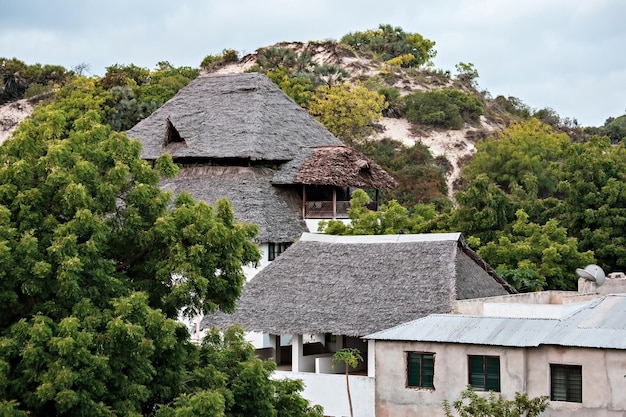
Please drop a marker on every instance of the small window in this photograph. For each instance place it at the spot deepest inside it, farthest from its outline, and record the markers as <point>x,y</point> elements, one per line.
<point>420,370</point>
<point>566,383</point>
<point>484,372</point>
<point>275,249</point>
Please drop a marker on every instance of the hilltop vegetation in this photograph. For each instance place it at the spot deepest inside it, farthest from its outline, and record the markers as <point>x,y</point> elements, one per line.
<point>531,170</point>
<point>88,241</point>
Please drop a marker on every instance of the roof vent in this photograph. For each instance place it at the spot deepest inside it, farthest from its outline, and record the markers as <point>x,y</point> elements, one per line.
<point>171,134</point>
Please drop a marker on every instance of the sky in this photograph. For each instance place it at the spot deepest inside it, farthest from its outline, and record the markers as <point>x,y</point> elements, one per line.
<point>567,55</point>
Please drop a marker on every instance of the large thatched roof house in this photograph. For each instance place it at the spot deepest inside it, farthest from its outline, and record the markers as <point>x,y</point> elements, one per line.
<point>239,136</point>
<point>357,285</point>
<point>327,292</point>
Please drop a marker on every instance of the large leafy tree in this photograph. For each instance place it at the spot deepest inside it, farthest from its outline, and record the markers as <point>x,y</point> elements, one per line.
<point>348,111</point>
<point>97,263</point>
<point>533,257</point>
<point>594,203</point>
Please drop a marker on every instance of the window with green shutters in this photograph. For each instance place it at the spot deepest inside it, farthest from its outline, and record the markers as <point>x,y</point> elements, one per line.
<point>566,383</point>
<point>484,372</point>
<point>420,370</point>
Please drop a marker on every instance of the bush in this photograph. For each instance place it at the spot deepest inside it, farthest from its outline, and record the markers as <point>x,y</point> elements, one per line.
<point>448,108</point>
<point>388,42</point>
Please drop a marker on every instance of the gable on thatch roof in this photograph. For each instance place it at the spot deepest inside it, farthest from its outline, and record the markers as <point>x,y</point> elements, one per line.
<point>357,285</point>
<point>251,194</point>
<point>340,166</point>
<point>242,116</point>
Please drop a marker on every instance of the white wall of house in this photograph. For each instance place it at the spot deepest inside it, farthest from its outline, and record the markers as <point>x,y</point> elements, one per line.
<point>521,369</point>
<point>330,392</point>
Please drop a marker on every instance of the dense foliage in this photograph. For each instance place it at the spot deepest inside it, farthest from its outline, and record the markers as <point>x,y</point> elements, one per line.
<point>445,108</point>
<point>133,93</point>
<point>420,177</point>
<point>388,42</point>
<point>347,110</point>
<point>19,80</point>
<point>98,264</point>
<point>472,404</point>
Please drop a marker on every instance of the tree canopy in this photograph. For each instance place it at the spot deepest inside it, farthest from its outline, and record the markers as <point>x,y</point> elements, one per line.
<point>98,263</point>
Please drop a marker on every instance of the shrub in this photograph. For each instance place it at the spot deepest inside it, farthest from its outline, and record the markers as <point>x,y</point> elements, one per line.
<point>448,108</point>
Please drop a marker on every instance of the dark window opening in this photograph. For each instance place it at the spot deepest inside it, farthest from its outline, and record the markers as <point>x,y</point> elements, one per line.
<point>420,370</point>
<point>484,372</point>
<point>566,383</point>
<point>275,249</point>
<point>171,134</point>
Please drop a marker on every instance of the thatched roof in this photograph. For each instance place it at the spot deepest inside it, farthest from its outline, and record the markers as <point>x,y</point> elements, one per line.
<point>340,166</point>
<point>230,116</point>
<point>357,285</point>
<point>251,194</point>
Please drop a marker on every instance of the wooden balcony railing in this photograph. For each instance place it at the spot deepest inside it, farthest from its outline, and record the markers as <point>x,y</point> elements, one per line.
<point>324,209</point>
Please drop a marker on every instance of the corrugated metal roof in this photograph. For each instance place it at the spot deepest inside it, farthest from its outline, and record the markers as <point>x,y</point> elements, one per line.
<point>599,324</point>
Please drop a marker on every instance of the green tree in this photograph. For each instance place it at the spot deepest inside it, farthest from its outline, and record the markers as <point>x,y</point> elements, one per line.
<point>230,379</point>
<point>348,111</point>
<point>448,108</point>
<point>350,357</point>
<point>421,180</point>
<point>277,57</point>
<point>388,42</point>
<point>483,209</point>
<point>473,405</point>
<point>466,72</point>
<point>529,154</point>
<point>98,263</point>
<point>299,88</point>
<point>390,218</point>
<point>594,199</point>
<point>533,257</point>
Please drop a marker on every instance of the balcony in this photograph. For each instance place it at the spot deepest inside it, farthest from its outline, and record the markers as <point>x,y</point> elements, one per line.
<point>326,209</point>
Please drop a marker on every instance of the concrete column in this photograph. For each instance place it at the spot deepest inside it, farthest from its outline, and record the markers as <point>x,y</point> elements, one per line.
<point>297,352</point>
<point>371,358</point>
<point>274,343</point>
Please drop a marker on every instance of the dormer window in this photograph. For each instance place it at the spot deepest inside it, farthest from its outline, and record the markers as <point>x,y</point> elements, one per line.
<point>171,134</point>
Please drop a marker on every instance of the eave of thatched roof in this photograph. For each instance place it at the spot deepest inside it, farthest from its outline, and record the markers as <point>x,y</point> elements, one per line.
<point>253,198</point>
<point>357,285</point>
<point>230,116</point>
<point>340,166</point>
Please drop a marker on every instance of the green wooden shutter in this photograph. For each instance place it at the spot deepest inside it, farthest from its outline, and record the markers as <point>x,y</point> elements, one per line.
<point>476,372</point>
<point>413,371</point>
<point>492,373</point>
<point>428,370</point>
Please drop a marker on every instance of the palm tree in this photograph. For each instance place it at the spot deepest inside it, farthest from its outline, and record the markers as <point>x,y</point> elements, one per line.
<point>351,358</point>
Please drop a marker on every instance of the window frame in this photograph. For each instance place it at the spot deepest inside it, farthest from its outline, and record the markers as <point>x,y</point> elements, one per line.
<point>274,249</point>
<point>425,380</point>
<point>572,384</point>
<point>485,372</point>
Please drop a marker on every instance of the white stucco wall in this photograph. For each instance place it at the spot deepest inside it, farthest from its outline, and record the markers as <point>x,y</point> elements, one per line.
<point>330,392</point>
<point>523,370</point>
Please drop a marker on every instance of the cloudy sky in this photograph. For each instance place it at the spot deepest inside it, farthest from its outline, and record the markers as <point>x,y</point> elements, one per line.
<point>564,54</point>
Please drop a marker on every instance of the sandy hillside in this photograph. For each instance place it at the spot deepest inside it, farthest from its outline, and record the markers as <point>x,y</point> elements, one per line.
<point>11,114</point>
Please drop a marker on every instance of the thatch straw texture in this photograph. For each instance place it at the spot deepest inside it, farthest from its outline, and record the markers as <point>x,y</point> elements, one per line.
<point>357,285</point>
<point>230,116</point>
<point>340,166</point>
<point>251,194</point>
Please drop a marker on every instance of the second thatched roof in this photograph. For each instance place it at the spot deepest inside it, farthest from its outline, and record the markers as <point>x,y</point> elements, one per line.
<point>340,166</point>
<point>357,285</point>
<point>251,194</point>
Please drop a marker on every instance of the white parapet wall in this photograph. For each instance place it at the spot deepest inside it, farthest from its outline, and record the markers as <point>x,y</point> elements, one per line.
<point>330,392</point>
